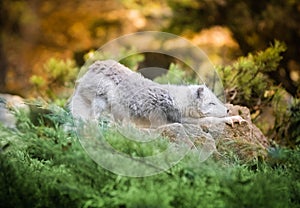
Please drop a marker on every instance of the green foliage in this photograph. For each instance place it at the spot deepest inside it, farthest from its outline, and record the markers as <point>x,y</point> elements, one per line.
<point>245,81</point>
<point>133,60</point>
<point>127,56</point>
<point>131,147</point>
<point>293,129</point>
<point>61,72</point>
<point>258,23</point>
<point>248,191</point>
<point>288,131</point>
<point>44,166</point>
<point>37,81</point>
<point>59,76</point>
<point>175,75</point>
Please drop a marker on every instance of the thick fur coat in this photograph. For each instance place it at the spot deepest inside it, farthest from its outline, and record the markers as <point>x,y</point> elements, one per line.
<point>110,87</point>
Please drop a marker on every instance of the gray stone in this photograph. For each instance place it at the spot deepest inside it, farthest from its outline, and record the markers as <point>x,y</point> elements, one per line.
<point>244,140</point>
<point>7,104</point>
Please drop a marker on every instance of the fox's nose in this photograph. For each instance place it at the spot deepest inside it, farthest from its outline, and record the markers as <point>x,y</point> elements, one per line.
<point>227,111</point>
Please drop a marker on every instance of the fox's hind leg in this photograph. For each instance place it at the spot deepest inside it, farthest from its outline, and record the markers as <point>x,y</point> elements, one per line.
<point>99,106</point>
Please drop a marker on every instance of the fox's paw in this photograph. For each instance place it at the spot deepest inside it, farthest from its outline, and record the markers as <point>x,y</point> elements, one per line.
<point>234,119</point>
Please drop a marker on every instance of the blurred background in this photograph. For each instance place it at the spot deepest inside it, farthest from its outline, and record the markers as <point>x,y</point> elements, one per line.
<point>253,44</point>
<point>34,32</point>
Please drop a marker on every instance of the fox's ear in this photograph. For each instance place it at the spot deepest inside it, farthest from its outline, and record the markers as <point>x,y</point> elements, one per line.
<point>200,92</point>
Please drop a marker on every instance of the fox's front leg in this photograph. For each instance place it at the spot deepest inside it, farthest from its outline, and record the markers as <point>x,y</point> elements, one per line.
<point>214,120</point>
<point>233,119</point>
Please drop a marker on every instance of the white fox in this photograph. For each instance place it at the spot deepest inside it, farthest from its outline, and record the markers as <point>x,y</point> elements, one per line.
<point>110,87</point>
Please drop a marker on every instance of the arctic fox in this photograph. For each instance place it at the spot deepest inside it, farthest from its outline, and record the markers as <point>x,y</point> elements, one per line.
<point>110,87</point>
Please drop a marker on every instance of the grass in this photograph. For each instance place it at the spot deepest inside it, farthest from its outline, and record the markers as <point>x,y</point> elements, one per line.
<point>43,166</point>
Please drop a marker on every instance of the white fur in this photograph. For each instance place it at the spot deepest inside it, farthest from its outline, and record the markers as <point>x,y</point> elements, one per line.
<point>111,87</point>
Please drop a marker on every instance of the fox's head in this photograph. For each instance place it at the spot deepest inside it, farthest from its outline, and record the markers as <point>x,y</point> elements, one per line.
<point>205,103</point>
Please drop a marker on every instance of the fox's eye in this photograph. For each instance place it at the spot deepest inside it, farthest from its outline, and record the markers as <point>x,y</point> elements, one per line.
<point>211,103</point>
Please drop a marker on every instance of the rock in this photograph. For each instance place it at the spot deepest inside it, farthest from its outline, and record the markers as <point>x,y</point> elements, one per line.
<point>244,140</point>
<point>7,104</point>
<point>242,111</point>
<point>192,135</point>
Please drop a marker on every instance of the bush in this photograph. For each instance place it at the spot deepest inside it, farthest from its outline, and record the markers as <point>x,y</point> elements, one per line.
<point>246,84</point>
<point>43,166</point>
<point>59,76</point>
<point>287,132</point>
<point>245,81</point>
